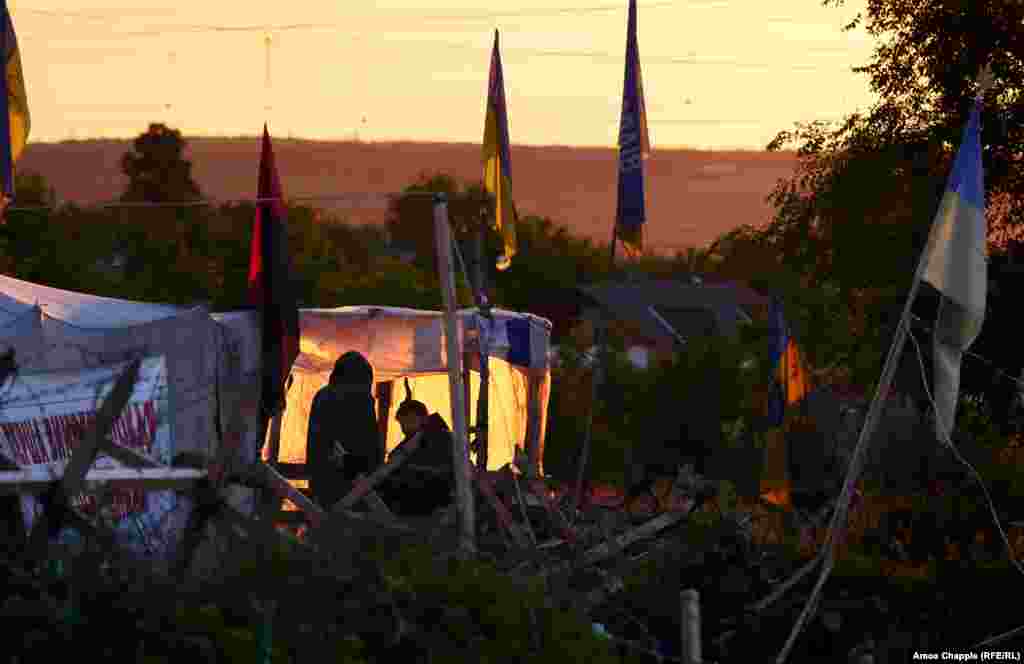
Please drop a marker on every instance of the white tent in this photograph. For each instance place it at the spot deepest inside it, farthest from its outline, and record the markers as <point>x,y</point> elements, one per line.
<point>408,343</point>
<point>215,359</point>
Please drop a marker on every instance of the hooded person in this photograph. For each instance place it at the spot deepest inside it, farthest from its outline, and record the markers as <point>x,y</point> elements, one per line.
<point>343,440</point>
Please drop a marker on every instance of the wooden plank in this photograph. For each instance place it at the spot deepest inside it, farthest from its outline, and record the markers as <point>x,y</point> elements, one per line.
<point>314,513</point>
<point>40,480</point>
<point>127,456</point>
<point>82,459</point>
<point>399,457</point>
<point>378,506</point>
<point>609,548</point>
<point>85,453</point>
<point>293,471</point>
<point>538,489</point>
<point>483,482</point>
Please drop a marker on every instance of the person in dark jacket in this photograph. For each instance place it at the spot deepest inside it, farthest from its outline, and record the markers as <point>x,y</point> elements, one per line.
<point>343,440</point>
<point>424,483</point>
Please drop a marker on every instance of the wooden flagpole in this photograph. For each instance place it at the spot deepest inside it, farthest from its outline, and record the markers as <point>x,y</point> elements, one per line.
<point>460,451</point>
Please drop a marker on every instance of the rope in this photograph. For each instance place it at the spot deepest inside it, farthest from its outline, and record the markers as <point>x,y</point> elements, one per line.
<point>973,471</point>
<point>995,368</point>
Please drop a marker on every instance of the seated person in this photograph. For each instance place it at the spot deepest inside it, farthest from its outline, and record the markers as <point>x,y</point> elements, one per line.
<point>343,440</point>
<point>424,483</point>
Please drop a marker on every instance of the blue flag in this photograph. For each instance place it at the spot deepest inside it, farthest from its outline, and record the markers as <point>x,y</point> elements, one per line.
<point>634,146</point>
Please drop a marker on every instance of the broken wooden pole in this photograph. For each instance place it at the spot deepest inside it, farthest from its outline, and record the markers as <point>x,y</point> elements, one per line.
<point>82,458</point>
<point>689,633</point>
<point>362,486</point>
<point>483,482</point>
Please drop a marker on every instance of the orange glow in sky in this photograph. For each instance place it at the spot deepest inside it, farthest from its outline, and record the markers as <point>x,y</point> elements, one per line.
<point>717,73</point>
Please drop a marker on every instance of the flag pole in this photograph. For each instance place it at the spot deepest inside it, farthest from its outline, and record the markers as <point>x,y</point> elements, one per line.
<point>827,553</point>
<point>595,384</point>
<point>483,341</point>
<point>460,452</point>
<point>839,516</point>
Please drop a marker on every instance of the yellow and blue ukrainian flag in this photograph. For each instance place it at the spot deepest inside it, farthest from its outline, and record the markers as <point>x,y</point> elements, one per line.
<point>634,147</point>
<point>790,381</point>
<point>14,117</point>
<point>790,385</point>
<point>497,162</point>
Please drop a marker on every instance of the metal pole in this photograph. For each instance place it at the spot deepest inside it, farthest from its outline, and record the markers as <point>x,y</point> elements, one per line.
<point>483,399</point>
<point>460,451</point>
<point>689,605</point>
<point>596,376</point>
<point>595,381</point>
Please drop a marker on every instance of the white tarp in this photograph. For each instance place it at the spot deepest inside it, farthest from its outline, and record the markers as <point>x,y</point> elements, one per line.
<point>401,343</point>
<point>45,415</point>
<point>57,330</point>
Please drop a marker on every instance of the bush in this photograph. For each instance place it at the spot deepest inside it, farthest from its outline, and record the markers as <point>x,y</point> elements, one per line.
<point>475,606</point>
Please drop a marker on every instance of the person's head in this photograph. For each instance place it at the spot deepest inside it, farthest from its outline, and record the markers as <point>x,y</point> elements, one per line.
<point>352,369</point>
<point>411,416</point>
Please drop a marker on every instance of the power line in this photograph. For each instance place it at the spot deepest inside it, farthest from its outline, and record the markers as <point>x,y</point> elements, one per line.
<point>546,12</point>
<point>614,57</point>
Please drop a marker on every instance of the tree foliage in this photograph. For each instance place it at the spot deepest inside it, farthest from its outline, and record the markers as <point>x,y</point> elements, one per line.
<point>157,169</point>
<point>850,224</point>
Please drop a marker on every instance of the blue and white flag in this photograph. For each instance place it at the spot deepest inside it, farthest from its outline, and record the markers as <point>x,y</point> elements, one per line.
<point>956,267</point>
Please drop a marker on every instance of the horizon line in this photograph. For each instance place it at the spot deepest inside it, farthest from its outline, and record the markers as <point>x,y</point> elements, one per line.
<point>386,141</point>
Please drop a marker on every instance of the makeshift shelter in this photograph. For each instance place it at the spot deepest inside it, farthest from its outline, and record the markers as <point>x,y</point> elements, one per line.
<point>57,330</point>
<point>689,309</point>
<point>58,334</point>
<point>408,343</point>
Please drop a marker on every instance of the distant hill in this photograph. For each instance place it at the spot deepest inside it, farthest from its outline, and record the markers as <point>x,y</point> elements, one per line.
<point>693,196</point>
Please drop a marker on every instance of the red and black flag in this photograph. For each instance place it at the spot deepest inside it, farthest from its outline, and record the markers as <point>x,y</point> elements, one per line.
<point>271,288</point>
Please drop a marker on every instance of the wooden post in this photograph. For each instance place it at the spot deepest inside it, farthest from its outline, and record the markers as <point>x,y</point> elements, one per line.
<point>689,604</point>
<point>460,447</point>
<point>270,503</point>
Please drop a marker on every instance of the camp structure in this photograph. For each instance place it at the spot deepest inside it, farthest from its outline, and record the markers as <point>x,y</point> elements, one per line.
<point>199,384</point>
<point>68,349</point>
<point>663,309</point>
<point>410,344</point>
<point>53,330</point>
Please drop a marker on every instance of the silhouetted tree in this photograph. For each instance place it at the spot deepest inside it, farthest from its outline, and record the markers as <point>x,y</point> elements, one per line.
<point>157,170</point>
<point>411,220</point>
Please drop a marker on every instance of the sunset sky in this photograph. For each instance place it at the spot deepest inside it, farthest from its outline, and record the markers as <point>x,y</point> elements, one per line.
<point>717,73</point>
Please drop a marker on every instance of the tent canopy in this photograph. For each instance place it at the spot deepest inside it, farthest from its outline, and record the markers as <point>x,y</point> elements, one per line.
<point>18,298</point>
<point>402,342</point>
<point>409,343</point>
